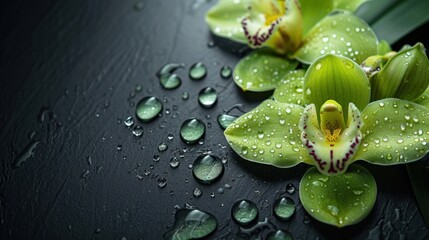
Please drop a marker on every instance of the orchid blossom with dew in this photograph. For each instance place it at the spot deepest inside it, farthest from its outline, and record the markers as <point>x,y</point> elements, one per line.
<point>387,131</point>
<point>293,31</point>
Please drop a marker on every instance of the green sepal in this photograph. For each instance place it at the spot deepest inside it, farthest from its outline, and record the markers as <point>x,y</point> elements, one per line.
<point>339,200</point>
<point>291,88</point>
<point>262,70</point>
<point>224,19</point>
<point>269,134</point>
<point>394,132</point>
<point>340,33</point>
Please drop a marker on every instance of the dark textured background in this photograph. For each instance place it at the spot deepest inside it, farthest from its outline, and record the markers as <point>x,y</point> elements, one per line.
<point>68,72</point>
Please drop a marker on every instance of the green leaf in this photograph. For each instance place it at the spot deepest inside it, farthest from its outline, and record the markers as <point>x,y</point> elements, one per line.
<point>269,134</point>
<point>337,78</point>
<point>340,33</point>
<point>290,88</point>
<point>350,5</point>
<point>311,15</point>
<point>394,132</point>
<point>423,99</point>
<point>400,19</point>
<point>417,171</point>
<point>405,75</point>
<point>224,19</point>
<point>261,70</point>
<point>339,200</point>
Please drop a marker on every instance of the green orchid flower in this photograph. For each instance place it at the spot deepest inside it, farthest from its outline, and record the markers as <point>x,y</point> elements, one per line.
<point>324,134</point>
<point>292,30</point>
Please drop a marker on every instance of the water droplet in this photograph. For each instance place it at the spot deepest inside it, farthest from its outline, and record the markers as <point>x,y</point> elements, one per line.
<point>225,120</point>
<point>333,210</point>
<point>156,158</point>
<point>279,235</point>
<point>244,212</point>
<point>318,66</point>
<point>207,168</point>
<point>191,224</point>
<point>192,130</point>
<point>198,71</point>
<point>129,121</point>
<point>119,147</point>
<point>290,188</point>
<point>226,72</point>
<point>148,108</point>
<point>207,97</point>
<point>174,162</point>
<point>197,192</point>
<point>284,208</point>
<point>162,182</point>
<point>162,147</point>
<point>170,136</point>
<point>170,81</point>
<point>138,130</point>
<point>185,95</point>
<point>167,69</point>
<point>357,192</point>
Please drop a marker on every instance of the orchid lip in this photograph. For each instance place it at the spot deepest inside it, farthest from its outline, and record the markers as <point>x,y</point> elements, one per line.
<point>331,144</point>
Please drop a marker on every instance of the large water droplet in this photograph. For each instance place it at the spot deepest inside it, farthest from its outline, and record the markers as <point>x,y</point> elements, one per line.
<point>225,120</point>
<point>318,66</point>
<point>284,208</point>
<point>279,235</point>
<point>198,71</point>
<point>192,130</point>
<point>244,212</point>
<point>148,108</point>
<point>207,168</point>
<point>170,81</point>
<point>226,72</point>
<point>191,224</point>
<point>207,97</point>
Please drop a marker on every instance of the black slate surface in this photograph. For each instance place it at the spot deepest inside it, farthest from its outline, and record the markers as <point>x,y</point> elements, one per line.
<point>69,70</point>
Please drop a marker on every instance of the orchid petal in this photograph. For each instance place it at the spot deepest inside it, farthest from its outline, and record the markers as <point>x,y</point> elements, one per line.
<point>405,75</point>
<point>340,33</point>
<point>261,70</point>
<point>269,134</point>
<point>290,88</point>
<point>339,200</point>
<point>224,19</point>
<point>395,132</point>
<point>337,78</point>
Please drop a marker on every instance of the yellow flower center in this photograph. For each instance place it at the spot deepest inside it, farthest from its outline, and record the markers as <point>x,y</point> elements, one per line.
<point>331,144</point>
<point>278,12</point>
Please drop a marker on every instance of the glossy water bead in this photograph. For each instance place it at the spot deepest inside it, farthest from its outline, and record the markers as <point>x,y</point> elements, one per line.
<point>192,130</point>
<point>244,212</point>
<point>198,71</point>
<point>207,97</point>
<point>284,208</point>
<point>148,108</point>
<point>207,168</point>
